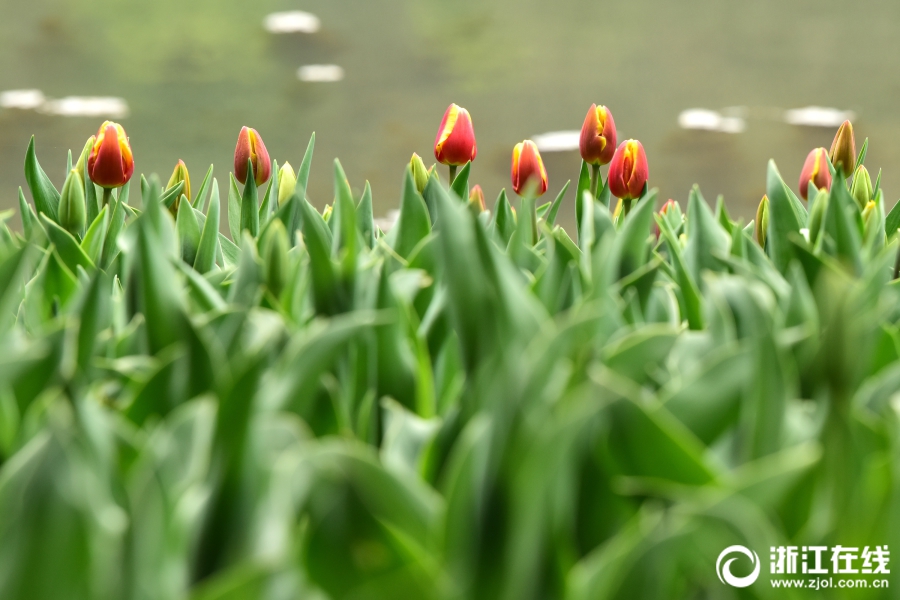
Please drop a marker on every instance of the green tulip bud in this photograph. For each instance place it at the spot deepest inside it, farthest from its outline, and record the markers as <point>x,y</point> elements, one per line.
<point>287,181</point>
<point>275,249</point>
<point>762,221</point>
<point>861,190</point>
<point>817,215</point>
<point>420,173</point>
<point>71,204</point>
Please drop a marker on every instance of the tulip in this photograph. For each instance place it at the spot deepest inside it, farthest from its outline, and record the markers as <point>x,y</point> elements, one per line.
<point>598,136</point>
<point>476,198</point>
<point>72,207</point>
<point>179,175</point>
<point>669,205</point>
<point>861,190</point>
<point>455,141</point>
<point>815,170</point>
<point>419,172</point>
<point>843,149</point>
<point>762,221</point>
<point>528,166</point>
<point>628,171</point>
<point>251,147</point>
<point>287,181</point>
<point>110,163</point>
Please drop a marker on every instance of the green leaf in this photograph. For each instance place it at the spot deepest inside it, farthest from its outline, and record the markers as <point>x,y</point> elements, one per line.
<point>200,197</point>
<point>554,208</point>
<point>209,237</point>
<point>188,230</point>
<point>413,224</point>
<point>584,185</point>
<point>783,218</point>
<point>460,185</point>
<point>506,221</point>
<point>45,195</point>
<point>303,171</point>
<point>92,244</point>
<point>861,157</point>
<point>110,244</point>
<point>29,219</point>
<point>365,218</point>
<point>234,209</point>
<point>270,200</point>
<point>69,250</point>
<point>250,205</point>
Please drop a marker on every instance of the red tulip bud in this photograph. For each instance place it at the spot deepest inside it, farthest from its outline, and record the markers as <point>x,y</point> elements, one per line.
<point>250,146</point>
<point>527,165</point>
<point>598,136</point>
<point>815,169</point>
<point>455,141</point>
<point>628,171</point>
<point>110,163</point>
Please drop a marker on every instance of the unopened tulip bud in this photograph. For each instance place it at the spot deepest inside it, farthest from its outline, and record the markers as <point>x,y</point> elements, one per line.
<point>476,198</point>
<point>815,171</point>
<point>287,181</point>
<point>419,172</point>
<point>628,171</point>
<point>179,175</point>
<point>669,205</point>
<point>72,209</point>
<point>598,136</point>
<point>762,221</point>
<point>455,141</point>
<point>250,146</point>
<point>843,149</point>
<point>861,190</point>
<point>528,166</point>
<point>867,211</point>
<point>110,163</point>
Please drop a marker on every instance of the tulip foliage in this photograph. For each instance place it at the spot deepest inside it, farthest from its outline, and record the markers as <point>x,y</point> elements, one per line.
<point>473,404</point>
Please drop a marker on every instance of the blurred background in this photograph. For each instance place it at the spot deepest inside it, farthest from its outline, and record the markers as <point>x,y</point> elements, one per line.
<point>184,76</point>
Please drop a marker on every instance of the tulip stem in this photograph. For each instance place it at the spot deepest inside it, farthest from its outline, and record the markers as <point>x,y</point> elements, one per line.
<point>452,173</point>
<point>107,194</point>
<point>626,207</point>
<point>595,180</point>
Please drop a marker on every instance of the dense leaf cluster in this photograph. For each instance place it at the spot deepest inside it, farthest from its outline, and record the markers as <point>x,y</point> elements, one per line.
<point>472,405</point>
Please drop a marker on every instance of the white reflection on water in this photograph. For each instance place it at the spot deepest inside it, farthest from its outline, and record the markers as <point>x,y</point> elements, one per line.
<point>320,73</point>
<point>294,21</point>
<point>818,116</point>
<point>557,141</point>
<point>22,99</point>
<point>71,106</point>
<point>710,120</point>
<point>86,106</point>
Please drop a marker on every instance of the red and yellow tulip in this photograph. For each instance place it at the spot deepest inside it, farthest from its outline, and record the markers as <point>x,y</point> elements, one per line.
<point>455,141</point>
<point>110,163</point>
<point>628,170</point>
<point>528,166</point>
<point>250,146</point>
<point>598,136</point>
<point>815,170</point>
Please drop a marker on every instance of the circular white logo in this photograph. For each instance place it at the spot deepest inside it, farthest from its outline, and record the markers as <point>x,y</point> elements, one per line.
<point>724,571</point>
